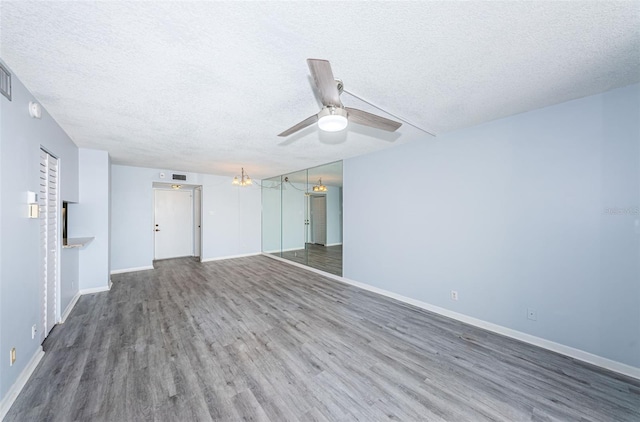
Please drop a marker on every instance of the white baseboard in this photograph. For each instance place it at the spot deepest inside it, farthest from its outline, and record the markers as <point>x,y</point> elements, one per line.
<point>69,308</point>
<point>277,251</point>
<point>75,298</point>
<point>572,352</point>
<point>94,290</point>
<point>230,257</point>
<point>20,382</point>
<point>130,270</point>
<point>24,376</point>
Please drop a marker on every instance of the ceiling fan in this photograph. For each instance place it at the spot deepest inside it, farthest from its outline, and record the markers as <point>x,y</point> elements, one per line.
<point>334,116</point>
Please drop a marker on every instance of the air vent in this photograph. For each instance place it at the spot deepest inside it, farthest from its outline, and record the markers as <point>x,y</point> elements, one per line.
<point>5,82</point>
<point>179,177</point>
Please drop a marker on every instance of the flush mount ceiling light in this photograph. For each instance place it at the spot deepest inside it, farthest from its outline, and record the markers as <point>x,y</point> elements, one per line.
<point>244,179</point>
<point>320,187</point>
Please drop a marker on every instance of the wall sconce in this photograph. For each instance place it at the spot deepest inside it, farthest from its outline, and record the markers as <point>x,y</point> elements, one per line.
<point>34,209</point>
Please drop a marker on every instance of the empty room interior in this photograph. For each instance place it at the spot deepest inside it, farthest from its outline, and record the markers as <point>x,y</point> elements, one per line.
<point>320,211</point>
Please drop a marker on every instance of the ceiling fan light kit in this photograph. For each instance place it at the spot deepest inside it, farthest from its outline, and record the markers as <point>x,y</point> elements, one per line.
<point>334,116</point>
<point>331,119</point>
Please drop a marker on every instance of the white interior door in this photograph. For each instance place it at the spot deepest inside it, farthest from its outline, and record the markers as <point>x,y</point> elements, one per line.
<point>173,223</point>
<point>319,219</point>
<point>49,241</point>
<point>197,223</point>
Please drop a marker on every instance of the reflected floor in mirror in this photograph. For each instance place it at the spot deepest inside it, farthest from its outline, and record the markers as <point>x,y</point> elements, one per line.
<point>323,258</point>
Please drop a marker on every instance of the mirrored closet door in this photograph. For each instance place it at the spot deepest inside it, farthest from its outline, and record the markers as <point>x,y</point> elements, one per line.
<point>302,217</point>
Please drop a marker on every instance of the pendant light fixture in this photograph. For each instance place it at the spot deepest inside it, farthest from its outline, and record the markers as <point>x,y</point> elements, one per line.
<point>320,187</point>
<point>244,179</point>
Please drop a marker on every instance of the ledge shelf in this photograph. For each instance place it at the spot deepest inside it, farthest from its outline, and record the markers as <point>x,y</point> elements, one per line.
<point>77,242</point>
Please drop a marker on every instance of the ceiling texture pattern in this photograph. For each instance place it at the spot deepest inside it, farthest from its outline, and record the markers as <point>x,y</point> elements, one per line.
<point>207,86</point>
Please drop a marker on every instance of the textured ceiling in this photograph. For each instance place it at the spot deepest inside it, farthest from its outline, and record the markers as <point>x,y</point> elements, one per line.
<point>207,86</point>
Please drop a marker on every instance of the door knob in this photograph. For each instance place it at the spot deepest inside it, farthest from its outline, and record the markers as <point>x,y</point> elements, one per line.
<point>157,230</point>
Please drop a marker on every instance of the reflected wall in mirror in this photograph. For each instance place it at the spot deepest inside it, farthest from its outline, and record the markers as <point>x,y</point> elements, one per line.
<point>271,219</point>
<point>310,217</point>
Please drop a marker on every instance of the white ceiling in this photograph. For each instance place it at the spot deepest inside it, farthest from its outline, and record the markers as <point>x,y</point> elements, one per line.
<point>207,86</point>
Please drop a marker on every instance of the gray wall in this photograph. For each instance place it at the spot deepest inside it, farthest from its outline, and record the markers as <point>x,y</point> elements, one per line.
<point>90,218</point>
<point>334,215</point>
<point>271,216</point>
<point>230,216</point>
<point>513,215</point>
<point>20,139</point>
<point>293,216</point>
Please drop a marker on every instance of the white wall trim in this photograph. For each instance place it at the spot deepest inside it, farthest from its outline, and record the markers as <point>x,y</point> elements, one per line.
<point>334,244</point>
<point>230,257</point>
<point>572,352</point>
<point>130,270</point>
<point>20,382</point>
<point>69,308</point>
<point>94,290</point>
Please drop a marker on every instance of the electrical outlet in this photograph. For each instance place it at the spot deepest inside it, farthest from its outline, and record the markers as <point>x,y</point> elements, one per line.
<point>34,330</point>
<point>12,356</point>
<point>532,314</point>
<point>454,295</point>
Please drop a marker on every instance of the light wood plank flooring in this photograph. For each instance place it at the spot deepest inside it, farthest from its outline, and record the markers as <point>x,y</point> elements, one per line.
<point>257,339</point>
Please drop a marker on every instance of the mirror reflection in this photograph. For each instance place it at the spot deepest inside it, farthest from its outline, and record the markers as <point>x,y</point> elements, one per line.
<point>302,217</point>
<point>271,219</point>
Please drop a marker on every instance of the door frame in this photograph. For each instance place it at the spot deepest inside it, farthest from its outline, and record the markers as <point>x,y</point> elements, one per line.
<point>58,259</point>
<point>312,237</point>
<point>167,186</point>
<point>197,222</point>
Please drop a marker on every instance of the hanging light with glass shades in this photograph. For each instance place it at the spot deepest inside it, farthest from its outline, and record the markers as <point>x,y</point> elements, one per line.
<point>244,179</point>
<point>320,187</point>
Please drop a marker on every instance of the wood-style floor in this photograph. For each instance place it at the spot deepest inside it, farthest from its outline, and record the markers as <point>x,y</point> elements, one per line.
<point>325,258</point>
<point>258,339</point>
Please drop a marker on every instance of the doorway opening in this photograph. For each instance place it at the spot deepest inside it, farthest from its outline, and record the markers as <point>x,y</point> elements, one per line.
<point>177,219</point>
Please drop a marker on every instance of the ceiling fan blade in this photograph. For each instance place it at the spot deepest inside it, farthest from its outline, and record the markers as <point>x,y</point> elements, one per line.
<point>368,119</point>
<point>326,83</point>
<point>306,122</point>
